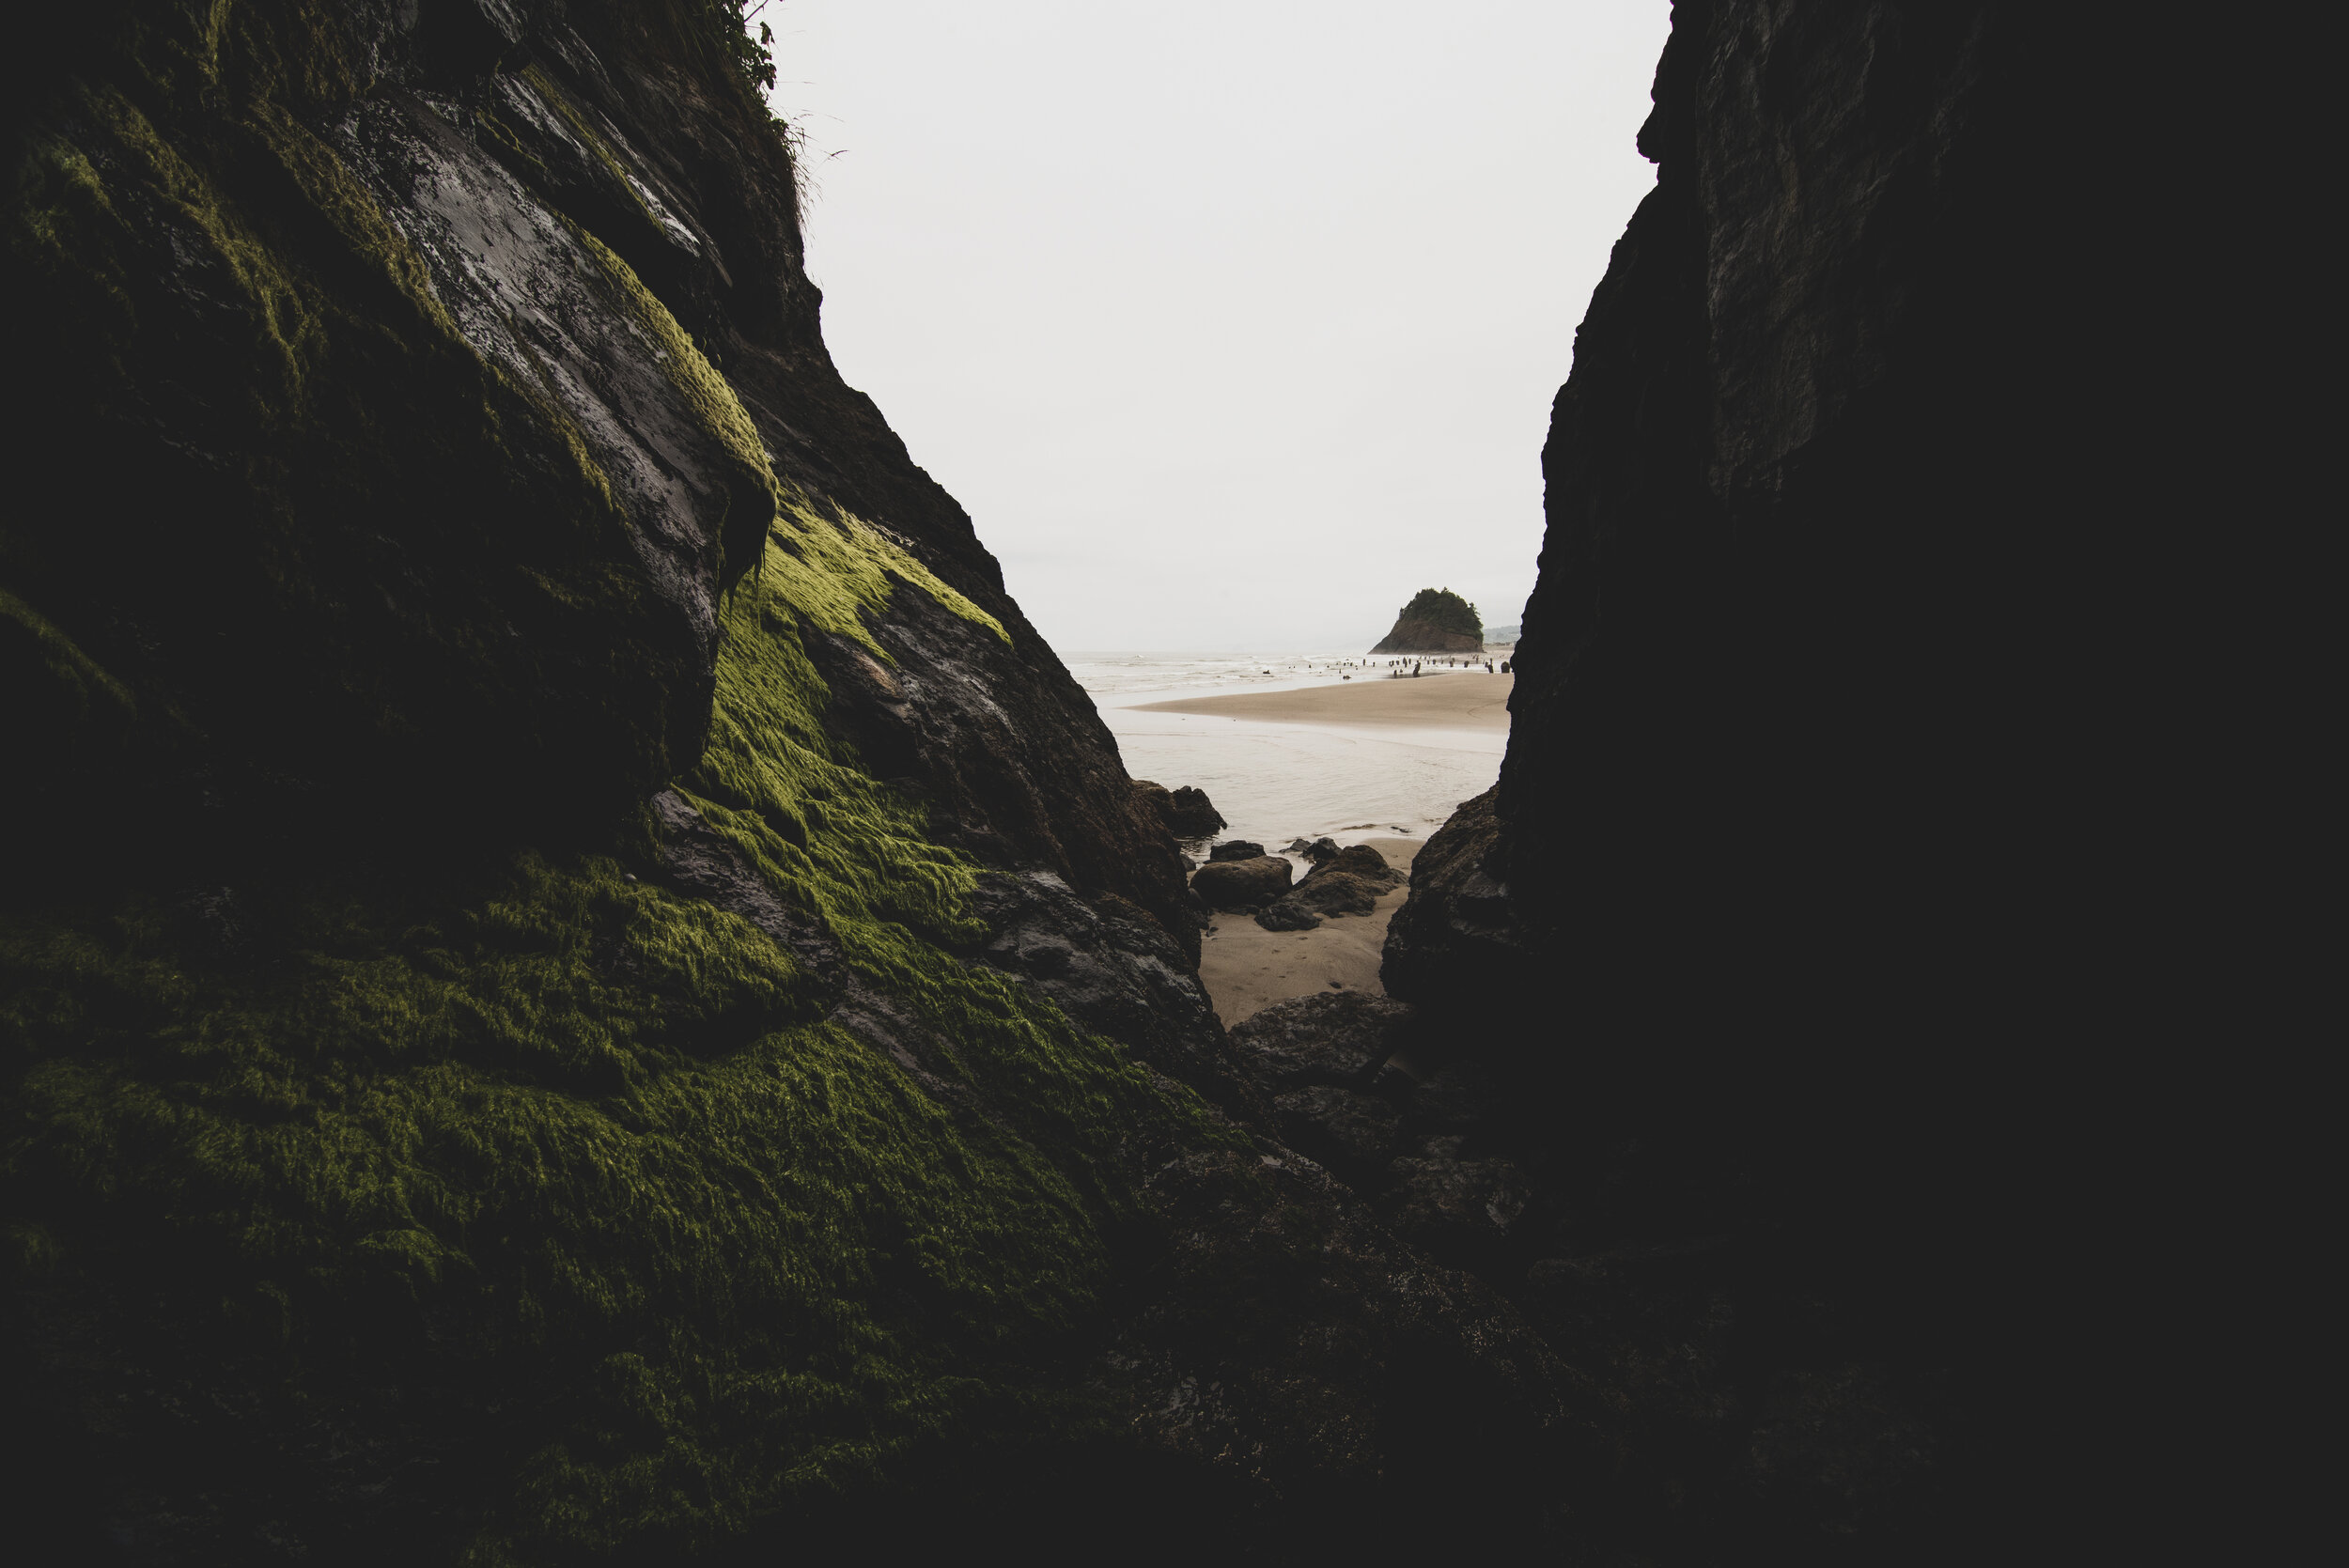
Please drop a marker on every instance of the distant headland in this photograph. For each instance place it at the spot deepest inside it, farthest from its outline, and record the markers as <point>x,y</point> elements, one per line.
<point>1436,621</point>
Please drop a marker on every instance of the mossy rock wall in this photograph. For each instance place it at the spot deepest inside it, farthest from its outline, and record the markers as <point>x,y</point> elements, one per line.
<point>402,1166</point>
<point>577,985</point>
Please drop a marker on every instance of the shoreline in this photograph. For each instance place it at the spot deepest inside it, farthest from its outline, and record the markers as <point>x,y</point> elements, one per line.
<point>1452,700</point>
<point>1375,759</point>
<point>1246,967</point>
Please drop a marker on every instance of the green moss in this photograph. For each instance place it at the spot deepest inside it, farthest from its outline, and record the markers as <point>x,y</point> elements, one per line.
<point>510,1121</point>
<point>696,380</point>
<point>593,1121</point>
<point>233,282</point>
<point>74,684</point>
<point>289,332</point>
<point>552,93</point>
<point>605,1129</point>
<point>829,570</point>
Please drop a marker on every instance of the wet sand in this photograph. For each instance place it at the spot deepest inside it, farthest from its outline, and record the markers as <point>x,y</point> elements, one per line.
<point>1458,699</point>
<point>1245,967</point>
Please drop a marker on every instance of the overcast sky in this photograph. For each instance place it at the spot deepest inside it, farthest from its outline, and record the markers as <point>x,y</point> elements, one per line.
<point>1232,324</point>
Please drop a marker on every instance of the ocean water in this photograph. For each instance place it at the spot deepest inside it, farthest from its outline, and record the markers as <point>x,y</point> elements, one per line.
<point>1277,781</point>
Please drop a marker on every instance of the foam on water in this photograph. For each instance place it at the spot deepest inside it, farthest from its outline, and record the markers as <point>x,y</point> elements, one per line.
<point>1274,782</point>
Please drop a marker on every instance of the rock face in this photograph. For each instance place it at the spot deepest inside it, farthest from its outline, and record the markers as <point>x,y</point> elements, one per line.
<point>1418,636</point>
<point>1316,897</point>
<point>1191,815</point>
<point>1340,1040</point>
<point>1742,913</point>
<point>579,984</point>
<point>1187,812</point>
<point>1346,881</point>
<point>1360,861</point>
<point>1459,938</point>
<point>1436,621</point>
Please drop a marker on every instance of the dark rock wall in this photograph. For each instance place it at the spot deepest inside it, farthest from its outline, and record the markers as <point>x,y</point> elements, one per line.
<point>453,542</point>
<point>1806,850</point>
<point>1416,636</point>
<point>1796,684</point>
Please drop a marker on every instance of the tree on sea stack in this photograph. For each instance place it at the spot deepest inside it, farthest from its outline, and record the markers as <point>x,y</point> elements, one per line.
<point>1436,621</point>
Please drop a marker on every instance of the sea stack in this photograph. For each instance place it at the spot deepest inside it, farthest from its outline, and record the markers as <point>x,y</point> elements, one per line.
<point>1436,621</point>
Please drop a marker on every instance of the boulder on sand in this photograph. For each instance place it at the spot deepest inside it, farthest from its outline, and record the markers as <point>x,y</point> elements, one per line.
<point>1248,884</point>
<point>1359,859</point>
<point>1286,914</point>
<point>1340,893</point>
<point>1187,812</point>
<point>1235,850</point>
<point>1316,851</point>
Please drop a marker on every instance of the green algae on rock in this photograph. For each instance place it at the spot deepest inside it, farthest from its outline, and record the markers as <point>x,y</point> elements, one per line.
<point>576,983</point>
<point>578,1134</point>
<point>575,1139</point>
<point>347,1050</point>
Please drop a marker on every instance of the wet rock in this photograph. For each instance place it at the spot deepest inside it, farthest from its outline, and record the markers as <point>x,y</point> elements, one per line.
<point>1190,815</point>
<point>1338,1126</point>
<point>1358,859</point>
<point>696,859</point>
<point>1318,897</point>
<point>1111,966</point>
<point>1456,1099</point>
<point>1156,801</point>
<point>1235,849</point>
<point>1339,893</point>
<point>1457,1209</point>
<point>1248,884</point>
<point>1287,1341</point>
<point>1458,937</point>
<point>1286,914</point>
<point>1006,772</point>
<point>1335,1037</point>
<point>1315,850</point>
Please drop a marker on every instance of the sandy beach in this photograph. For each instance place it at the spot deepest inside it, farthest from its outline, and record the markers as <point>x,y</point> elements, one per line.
<point>1245,967</point>
<point>1454,699</point>
<point>1297,753</point>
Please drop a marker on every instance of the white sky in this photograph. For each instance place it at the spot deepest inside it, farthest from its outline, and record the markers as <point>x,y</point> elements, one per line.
<point>1233,323</point>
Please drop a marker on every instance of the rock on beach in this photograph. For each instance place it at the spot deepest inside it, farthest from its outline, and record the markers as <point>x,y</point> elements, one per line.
<point>1248,884</point>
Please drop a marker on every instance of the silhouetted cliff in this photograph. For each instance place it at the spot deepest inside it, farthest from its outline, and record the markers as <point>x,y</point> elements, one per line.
<point>1436,621</point>
<point>1791,879</point>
